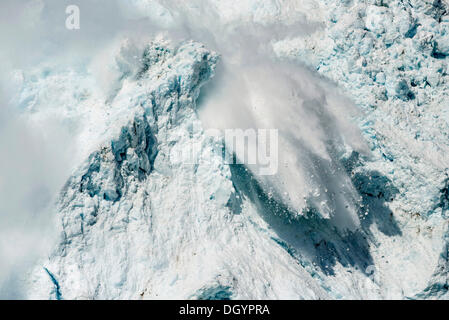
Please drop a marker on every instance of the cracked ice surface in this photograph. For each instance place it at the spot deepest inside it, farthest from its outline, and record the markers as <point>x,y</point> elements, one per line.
<point>135,224</point>
<point>391,58</point>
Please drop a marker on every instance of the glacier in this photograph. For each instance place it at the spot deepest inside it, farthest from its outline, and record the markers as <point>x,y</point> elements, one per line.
<point>359,209</point>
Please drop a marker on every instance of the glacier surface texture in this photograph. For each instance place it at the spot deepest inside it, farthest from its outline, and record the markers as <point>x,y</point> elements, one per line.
<point>359,207</point>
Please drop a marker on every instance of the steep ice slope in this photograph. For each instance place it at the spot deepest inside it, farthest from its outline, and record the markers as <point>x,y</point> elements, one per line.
<point>138,223</point>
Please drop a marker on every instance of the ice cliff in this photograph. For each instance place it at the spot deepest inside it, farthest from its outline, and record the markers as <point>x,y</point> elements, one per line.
<point>138,222</point>
<point>391,58</point>
<point>134,218</point>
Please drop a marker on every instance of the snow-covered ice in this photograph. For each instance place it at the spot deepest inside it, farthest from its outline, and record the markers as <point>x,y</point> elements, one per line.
<point>359,209</point>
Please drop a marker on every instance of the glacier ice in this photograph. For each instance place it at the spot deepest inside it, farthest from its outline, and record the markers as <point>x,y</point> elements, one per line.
<point>135,223</point>
<point>389,57</point>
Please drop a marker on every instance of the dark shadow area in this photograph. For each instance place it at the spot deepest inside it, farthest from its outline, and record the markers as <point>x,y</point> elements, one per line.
<point>309,238</point>
<point>217,292</point>
<point>438,286</point>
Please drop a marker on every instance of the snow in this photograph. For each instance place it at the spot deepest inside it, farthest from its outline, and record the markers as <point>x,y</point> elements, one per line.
<point>138,222</point>
<point>139,226</point>
<point>402,84</point>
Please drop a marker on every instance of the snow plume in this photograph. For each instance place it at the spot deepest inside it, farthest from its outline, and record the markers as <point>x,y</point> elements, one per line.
<point>252,90</point>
